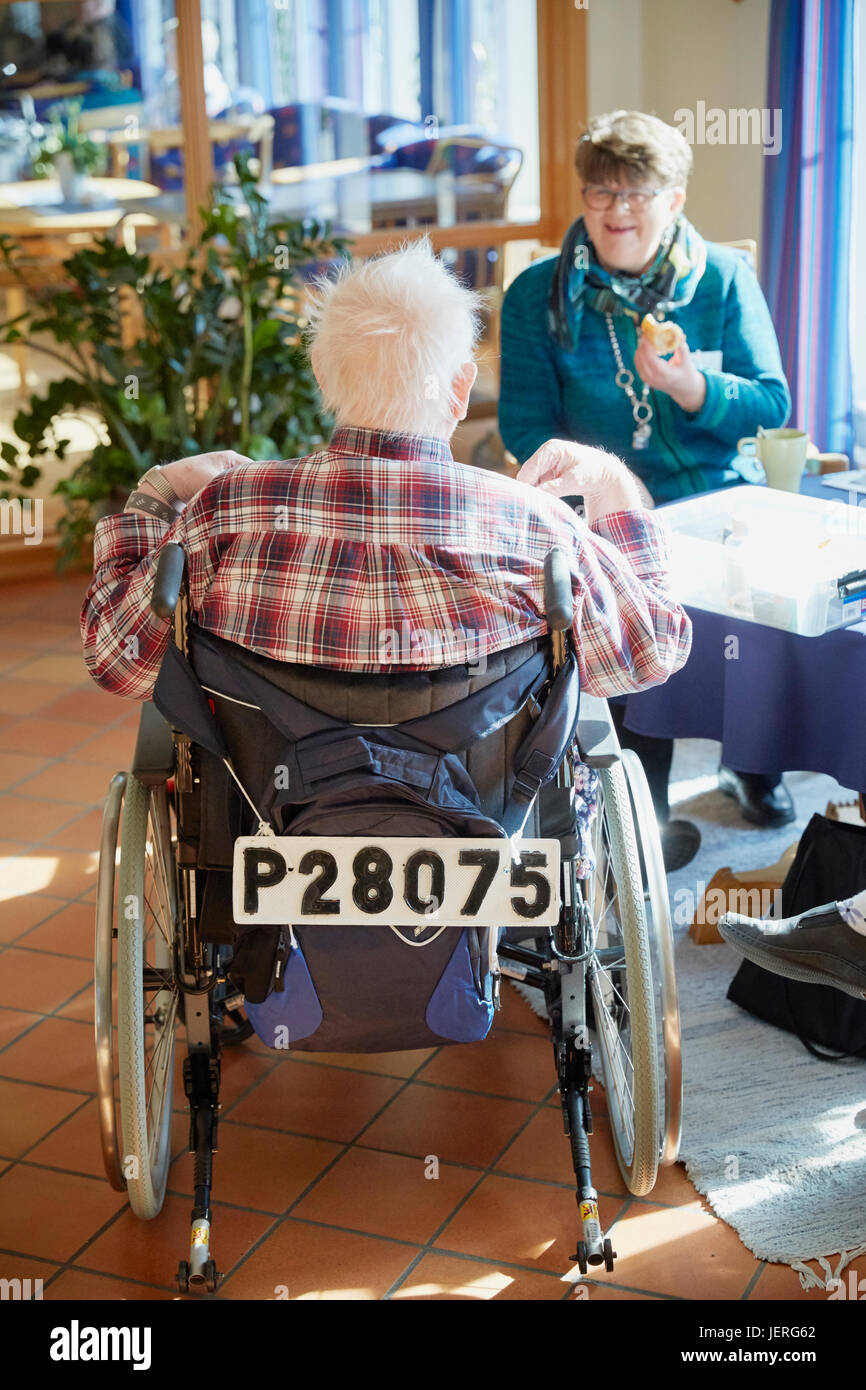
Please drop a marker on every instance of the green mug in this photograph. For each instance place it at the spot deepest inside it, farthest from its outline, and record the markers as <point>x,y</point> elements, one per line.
<point>782,454</point>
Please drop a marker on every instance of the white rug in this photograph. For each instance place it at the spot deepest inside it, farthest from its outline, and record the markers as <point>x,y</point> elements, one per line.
<point>772,1137</point>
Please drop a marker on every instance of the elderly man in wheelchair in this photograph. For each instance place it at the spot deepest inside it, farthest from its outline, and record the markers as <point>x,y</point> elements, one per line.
<point>363,789</point>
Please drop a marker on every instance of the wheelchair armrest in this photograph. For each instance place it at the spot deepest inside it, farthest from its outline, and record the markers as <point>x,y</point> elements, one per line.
<point>153,761</point>
<point>558,597</point>
<point>597,742</point>
<point>168,580</point>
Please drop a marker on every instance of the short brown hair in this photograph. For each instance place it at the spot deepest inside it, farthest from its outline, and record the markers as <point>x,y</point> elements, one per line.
<point>635,145</point>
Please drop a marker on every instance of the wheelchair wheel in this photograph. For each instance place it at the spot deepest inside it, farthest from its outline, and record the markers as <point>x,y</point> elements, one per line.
<point>148,997</point>
<point>621,986</point>
<point>657,905</point>
<point>103,982</point>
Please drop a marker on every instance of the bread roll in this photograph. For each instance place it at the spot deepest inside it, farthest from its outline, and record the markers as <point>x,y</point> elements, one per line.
<point>663,337</point>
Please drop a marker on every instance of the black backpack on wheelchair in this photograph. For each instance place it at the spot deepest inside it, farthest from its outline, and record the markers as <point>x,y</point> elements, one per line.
<point>274,761</point>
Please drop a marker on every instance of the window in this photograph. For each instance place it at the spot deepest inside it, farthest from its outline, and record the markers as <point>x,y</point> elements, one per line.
<point>418,90</point>
<point>858,240</point>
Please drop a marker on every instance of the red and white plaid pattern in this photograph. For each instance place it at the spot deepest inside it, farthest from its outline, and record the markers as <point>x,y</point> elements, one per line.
<point>380,553</point>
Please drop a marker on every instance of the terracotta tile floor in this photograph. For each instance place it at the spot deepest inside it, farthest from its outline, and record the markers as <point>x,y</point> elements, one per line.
<point>320,1179</point>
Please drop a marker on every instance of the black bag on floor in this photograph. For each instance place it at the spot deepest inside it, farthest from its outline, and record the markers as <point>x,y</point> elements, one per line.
<point>830,864</point>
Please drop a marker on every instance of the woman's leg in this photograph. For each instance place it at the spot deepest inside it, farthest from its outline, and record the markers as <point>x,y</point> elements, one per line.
<point>656,754</point>
<point>680,838</point>
<point>762,796</point>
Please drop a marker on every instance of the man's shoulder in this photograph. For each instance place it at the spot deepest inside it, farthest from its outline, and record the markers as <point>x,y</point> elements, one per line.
<point>251,480</point>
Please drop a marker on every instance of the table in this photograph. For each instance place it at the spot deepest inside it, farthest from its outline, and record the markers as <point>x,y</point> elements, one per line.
<point>356,201</point>
<point>33,208</point>
<point>785,704</point>
<point>47,230</point>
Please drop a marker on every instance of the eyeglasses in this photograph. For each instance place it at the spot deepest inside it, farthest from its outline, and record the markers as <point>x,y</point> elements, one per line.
<point>600,199</point>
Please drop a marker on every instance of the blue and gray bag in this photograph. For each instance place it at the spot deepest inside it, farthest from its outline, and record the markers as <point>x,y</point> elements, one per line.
<point>365,987</point>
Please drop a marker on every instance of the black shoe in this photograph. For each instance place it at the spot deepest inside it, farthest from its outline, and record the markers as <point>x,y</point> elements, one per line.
<point>680,843</point>
<point>817,946</point>
<point>762,799</point>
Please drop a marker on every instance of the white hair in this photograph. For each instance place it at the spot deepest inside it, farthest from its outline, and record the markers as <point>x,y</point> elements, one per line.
<point>388,337</point>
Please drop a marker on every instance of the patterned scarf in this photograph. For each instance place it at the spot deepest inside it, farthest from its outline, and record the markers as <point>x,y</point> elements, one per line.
<point>579,280</point>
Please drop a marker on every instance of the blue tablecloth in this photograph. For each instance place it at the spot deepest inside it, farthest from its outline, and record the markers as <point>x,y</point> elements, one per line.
<point>785,704</point>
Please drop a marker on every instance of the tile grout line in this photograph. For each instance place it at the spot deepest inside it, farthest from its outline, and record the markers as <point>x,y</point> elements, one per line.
<point>762,1265</point>
<point>471,1259</point>
<point>415,1076</point>
<point>350,1144</point>
<point>83,812</point>
<point>428,1246</point>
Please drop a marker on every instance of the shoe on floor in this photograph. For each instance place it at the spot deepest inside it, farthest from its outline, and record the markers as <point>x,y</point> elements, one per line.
<point>818,946</point>
<point>762,800</point>
<point>680,843</point>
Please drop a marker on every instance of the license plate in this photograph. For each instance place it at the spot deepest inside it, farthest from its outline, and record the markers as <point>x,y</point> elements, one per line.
<point>304,880</point>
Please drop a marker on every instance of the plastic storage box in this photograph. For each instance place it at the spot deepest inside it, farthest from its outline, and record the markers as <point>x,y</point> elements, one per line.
<point>777,558</point>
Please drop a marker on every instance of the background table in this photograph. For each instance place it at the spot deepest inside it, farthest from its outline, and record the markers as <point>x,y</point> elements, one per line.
<point>358,200</point>
<point>35,208</point>
<point>785,704</point>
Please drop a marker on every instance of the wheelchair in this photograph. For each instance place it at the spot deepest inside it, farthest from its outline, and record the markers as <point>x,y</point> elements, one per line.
<point>604,970</point>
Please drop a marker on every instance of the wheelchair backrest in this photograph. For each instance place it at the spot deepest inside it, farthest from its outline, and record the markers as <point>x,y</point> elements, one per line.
<point>384,701</point>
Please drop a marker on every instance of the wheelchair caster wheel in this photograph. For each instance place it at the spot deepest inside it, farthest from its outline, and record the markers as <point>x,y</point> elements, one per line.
<point>207,1281</point>
<point>609,1256</point>
<point>582,1264</point>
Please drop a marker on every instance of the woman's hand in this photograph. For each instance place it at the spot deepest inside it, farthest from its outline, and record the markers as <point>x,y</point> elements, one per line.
<point>188,476</point>
<point>565,468</point>
<point>677,375</point>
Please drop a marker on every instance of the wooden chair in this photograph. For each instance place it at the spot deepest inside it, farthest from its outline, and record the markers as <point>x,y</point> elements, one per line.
<point>749,248</point>
<point>253,130</point>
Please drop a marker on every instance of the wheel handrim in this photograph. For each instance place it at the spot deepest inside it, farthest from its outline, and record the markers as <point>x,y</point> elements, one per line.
<point>620,975</point>
<point>664,968</point>
<point>103,1012</point>
<point>148,996</point>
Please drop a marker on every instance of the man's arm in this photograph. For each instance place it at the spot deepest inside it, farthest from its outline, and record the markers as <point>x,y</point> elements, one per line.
<point>124,642</point>
<point>629,632</point>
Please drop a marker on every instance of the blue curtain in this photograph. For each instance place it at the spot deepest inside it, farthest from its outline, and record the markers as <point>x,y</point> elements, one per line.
<point>426,31</point>
<point>806,242</point>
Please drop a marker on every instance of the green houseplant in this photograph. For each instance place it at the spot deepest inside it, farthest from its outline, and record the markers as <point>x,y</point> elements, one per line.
<point>218,358</point>
<point>67,151</point>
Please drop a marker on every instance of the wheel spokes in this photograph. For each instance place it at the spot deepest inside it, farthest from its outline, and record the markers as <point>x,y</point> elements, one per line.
<point>609,988</point>
<point>161,1002</point>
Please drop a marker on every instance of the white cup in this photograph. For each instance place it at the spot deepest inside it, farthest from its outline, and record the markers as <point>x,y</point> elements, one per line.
<point>781,452</point>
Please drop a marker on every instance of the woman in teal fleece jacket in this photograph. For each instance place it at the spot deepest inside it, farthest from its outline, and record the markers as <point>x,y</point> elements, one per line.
<point>563,385</point>
<point>576,366</point>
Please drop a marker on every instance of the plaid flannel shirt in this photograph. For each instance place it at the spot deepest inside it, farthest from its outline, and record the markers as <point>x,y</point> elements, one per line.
<point>382,553</point>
